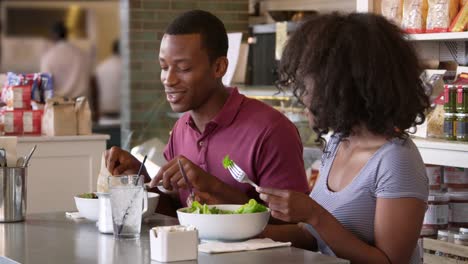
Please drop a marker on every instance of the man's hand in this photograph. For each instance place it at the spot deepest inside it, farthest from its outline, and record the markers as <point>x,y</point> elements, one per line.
<point>119,161</point>
<point>171,177</point>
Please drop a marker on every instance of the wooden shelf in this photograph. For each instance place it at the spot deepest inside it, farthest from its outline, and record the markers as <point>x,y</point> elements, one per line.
<point>443,152</point>
<point>439,36</point>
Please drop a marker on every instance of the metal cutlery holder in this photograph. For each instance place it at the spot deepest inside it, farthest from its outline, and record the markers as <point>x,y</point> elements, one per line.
<point>12,194</point>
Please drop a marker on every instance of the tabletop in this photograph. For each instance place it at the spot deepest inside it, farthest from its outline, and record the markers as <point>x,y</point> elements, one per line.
<point>52,238</point>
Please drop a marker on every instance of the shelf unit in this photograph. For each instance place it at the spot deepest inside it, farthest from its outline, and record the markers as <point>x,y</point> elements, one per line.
<point>445,36</point>
<point>442,152</point>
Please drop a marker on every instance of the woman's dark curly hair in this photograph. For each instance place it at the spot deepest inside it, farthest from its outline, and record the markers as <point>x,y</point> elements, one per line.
<point>362,71</point>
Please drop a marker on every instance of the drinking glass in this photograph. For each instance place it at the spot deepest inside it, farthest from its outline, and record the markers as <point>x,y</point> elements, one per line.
<point>128,202</point>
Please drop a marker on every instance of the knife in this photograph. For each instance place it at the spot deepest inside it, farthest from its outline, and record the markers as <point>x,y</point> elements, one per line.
<point>182,171</point>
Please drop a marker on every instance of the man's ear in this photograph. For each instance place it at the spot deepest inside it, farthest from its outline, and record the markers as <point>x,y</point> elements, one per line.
<point>220,66</point>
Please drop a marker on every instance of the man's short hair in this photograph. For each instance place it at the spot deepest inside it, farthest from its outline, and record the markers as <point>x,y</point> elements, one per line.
<point>213,33</point>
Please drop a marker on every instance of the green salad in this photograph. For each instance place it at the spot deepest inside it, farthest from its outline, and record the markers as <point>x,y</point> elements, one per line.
<point>251,207</point>
<point>227,162</point>
<point>88,196</point>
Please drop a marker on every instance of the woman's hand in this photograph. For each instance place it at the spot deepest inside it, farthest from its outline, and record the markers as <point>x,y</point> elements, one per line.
<point>290,206</point>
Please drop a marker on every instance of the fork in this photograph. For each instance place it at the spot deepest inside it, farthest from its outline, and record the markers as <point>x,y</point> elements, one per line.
<point>240,175</point>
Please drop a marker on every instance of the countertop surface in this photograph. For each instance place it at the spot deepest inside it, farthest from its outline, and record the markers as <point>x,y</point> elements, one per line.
<point>63,138</point>
<point>52,238</point>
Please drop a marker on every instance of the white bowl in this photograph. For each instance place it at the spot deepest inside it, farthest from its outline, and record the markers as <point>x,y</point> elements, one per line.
<point>88,208</point>
<point>225,226</point>
<point>153,199</point>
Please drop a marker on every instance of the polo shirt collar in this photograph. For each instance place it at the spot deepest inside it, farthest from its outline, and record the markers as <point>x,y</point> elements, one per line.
<point>227,113</point>
<point>230,109</point>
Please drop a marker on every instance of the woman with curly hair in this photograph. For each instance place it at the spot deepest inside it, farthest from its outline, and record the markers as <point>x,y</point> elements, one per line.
<point>359,78</point>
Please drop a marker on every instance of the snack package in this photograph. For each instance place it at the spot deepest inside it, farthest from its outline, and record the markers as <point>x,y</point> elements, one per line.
<point>13,122</point>
<point>41,85</point>
<point>440,14</point>
<point>392,10</point>
<point>435,122</point>
<point>18,97</point>
<point>83,116</point>
<point>32,120</point>
<point>22,122</point>
<point>414,16</point>
<point>460,22</point>
<point>46,87</point>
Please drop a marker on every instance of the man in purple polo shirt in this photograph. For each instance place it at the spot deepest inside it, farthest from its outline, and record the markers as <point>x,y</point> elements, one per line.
<point>218,121</point>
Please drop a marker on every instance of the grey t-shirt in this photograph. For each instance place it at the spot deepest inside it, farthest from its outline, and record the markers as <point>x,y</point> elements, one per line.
<point>396,170</point>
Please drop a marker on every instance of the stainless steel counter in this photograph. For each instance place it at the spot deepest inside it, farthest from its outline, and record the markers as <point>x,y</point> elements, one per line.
<point>53,238</point>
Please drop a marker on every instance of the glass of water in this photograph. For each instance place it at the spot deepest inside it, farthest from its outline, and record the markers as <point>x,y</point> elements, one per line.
<point>128,202</point>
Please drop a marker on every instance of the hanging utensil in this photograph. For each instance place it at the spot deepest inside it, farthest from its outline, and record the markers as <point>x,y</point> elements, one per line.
<point>20,162</point>
<point>26,162</point>
<point>3,158</point>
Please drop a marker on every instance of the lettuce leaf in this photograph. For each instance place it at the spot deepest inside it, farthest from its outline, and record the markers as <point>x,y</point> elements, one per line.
<point>251,207</point>
<point>227,162</point>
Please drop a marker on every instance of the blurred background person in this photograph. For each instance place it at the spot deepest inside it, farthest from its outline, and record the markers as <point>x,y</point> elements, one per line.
<point>108,76</point>
<point>69,66</point>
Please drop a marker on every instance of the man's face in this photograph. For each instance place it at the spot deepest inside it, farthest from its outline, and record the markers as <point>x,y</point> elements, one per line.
<point>187,74</point>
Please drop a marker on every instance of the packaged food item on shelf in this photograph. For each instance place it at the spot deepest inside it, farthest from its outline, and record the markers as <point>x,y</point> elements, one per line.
<point>392,10</point>
<point>450,98</point>
<point>458,209</point>
<point>440,14</point>
<point>22,122</point>
<point>18,97</point>
<point>449,126</point>
<point>462,99</point>
<point>13,122</point>
<point>414,16</point>
<point>456,178</point>
<point>32,121</point>
<point>463,230</point>
<point>435,122</point>
<point>462,126</point>
<point>446,235</point>
<point>442,235</point>
<point>434,173</point>
<point>437,212</point>
<point>460,21</point>
<point>461,239</point>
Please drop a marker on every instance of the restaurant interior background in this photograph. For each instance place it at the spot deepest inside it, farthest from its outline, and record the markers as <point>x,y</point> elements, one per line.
<point>94,25</point>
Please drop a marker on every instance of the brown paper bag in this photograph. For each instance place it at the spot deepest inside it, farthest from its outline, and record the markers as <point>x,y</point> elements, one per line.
<point>59,117</point>
<point>83,116</point>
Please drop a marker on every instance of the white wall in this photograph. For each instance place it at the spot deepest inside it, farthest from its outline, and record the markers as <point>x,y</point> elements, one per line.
<point>104,28</point>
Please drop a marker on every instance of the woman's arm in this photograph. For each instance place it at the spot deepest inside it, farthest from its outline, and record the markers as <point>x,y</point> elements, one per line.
<point>397,225</point>
<point>396,230</point>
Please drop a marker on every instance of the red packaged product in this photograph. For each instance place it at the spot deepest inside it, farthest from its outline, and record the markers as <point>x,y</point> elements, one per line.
<point>19,97</point>
<point>19,122</point>
<point>13,122</point>
<point>32,120</point>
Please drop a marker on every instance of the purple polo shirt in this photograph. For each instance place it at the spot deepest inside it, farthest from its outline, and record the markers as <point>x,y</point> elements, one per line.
<point>260,139</point>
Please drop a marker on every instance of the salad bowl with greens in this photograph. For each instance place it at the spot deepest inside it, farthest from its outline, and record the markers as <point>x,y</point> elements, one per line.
<point>229,222</point>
